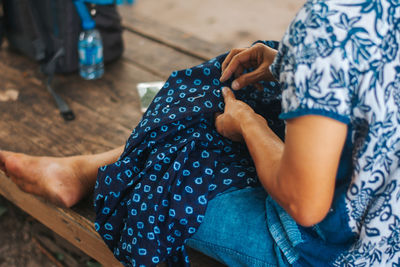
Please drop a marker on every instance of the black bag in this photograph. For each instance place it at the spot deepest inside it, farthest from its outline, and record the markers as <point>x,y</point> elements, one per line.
<point>1,24</point>
<point>48,31</point>
<point>40,28</point>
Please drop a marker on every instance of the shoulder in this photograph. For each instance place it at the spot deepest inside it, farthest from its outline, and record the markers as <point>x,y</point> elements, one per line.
<point>331,48</point>
<point>351,31</point>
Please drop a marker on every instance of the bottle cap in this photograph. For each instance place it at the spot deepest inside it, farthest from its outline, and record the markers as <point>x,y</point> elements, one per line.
<point>88,24</point>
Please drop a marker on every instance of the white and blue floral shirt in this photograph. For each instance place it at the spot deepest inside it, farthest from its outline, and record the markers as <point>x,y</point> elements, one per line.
<point>341,59</point>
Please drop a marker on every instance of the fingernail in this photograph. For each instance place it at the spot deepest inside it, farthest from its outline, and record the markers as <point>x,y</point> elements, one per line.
<point>224,90</point>
<point>235,85</point>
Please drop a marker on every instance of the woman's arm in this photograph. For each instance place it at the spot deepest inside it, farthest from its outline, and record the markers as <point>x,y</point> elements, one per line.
<point>300,174</point>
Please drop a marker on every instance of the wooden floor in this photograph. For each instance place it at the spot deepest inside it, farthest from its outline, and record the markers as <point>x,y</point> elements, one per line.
<point>106,111</point>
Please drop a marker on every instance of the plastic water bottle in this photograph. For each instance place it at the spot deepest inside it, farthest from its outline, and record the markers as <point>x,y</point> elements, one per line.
<point>125,2</point>
<point>90,48</point>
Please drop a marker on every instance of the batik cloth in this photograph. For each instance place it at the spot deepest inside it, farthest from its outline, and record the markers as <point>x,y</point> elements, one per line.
<point>154,197</point>
<point>341,59</point>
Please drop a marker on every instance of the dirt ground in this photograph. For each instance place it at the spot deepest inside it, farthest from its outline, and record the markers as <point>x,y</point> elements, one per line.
<point>236,23</point>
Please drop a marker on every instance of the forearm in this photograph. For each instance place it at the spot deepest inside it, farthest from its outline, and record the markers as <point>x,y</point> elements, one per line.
<point>290,191</point>
<point>300,174</point>
<point>266,150</point>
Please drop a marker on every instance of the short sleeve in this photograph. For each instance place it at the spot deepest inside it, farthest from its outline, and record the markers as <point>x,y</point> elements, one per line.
<point>312,68</point>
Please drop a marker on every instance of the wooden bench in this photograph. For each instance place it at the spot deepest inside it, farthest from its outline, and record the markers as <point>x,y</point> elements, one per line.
<point>106,112</point>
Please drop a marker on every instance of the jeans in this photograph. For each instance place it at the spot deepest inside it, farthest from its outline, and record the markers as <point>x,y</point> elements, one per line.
<point>234,230</point>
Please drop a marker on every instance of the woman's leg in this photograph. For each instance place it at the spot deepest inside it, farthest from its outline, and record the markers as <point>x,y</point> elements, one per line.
<point>63,181</point>
<point>234,230</point>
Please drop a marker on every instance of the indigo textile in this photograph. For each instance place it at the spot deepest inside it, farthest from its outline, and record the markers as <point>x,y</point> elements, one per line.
<point>154,197</point>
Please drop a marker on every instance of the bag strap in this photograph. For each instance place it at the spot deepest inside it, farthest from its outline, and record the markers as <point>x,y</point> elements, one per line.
<point>49,67</point>
<point>105,2</point>
<point>83,13</point>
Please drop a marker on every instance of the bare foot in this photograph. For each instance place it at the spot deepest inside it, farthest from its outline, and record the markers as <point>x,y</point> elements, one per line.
<point>59,180</point>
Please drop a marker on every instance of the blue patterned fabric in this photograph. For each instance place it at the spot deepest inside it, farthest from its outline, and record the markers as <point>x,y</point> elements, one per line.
<point>341,59</point>
<point>154,197</point>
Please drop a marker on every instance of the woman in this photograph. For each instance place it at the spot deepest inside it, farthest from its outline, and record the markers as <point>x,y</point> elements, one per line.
<point>330,193</point>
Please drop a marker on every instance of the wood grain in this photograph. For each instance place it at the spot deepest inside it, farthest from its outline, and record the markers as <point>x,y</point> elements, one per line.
<point>168,36</point>
<point>106,112</point>
<point>68,224</point>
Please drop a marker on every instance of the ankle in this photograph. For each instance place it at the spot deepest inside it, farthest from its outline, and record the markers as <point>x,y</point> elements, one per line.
<point>85,170</point>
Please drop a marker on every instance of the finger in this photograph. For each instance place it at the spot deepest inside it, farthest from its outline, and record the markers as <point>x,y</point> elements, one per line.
<point>248,78</point>
<point>229,57</point>
<point>217,114</point>
<point>241,58</point>
<point>239,71</point>
<point>219,121</point>
<point>228,95</point>
<point>227,60</point>
<point>218,118</point>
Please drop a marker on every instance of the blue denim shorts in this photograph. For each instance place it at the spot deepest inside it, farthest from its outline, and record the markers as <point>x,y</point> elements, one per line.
<point>235,232</point>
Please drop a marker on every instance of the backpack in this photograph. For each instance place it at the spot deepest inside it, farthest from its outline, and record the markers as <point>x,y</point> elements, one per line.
<point>47,31</point>
<point>1,24</point>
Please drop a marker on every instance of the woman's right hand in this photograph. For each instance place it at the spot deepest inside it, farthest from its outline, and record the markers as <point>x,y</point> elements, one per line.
<point>259,57</point>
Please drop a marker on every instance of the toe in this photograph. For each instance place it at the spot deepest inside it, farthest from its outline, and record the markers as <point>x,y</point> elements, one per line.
<point>4,158</point>
<point>4,155</point>
<point>15,165</point>
<point>11,163</point>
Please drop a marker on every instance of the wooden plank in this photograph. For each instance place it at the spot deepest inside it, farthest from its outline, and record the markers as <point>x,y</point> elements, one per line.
<point>32,125</point>
<point>114,96</point>
<point>172,37</point>
<point>154,57</point>
<point>34,119</point>
<point>68,224</point>
<point>106,109</point>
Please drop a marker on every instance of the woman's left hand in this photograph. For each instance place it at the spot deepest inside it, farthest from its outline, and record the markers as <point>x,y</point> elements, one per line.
<point>259,57</point>
<point>229,123</point>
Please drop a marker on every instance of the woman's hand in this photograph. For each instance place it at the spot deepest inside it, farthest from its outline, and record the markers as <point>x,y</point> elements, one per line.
<point>259,57</point>
<point>229,123</point>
